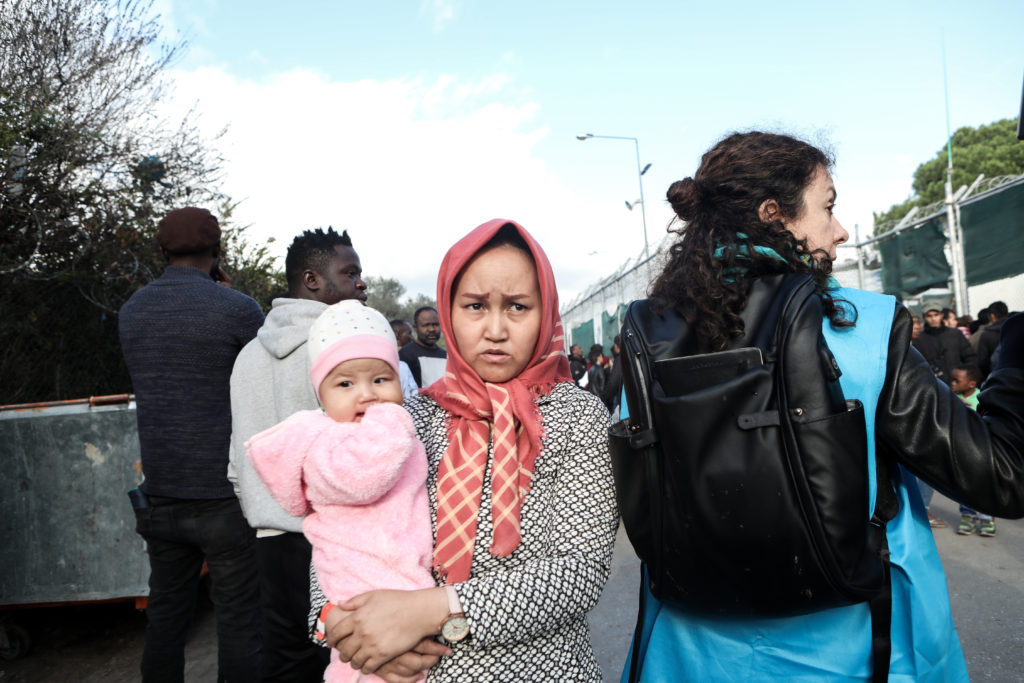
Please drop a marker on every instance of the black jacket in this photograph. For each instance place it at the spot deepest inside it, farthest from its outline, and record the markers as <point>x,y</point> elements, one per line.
<point>597,377</point>
<point>976,458</point>
<point>987,343</point>
<point>953,349</point>
<point>928,346</point>
<point>613,384</point>
<point>577,368</point>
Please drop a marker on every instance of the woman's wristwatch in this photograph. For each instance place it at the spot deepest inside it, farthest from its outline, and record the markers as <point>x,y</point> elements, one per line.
<point>455,626</point>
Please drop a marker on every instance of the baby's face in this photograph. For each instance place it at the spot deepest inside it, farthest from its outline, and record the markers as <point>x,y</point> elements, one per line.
<point>355,385</point>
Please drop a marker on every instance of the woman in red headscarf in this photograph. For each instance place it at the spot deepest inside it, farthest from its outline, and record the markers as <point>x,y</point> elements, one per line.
<point>520,487</point>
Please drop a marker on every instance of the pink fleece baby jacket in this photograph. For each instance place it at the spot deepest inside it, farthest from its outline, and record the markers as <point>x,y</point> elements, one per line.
<point>363,485</point>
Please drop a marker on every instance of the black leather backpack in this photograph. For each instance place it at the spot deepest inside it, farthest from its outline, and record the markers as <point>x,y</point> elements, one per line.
<point>742,475</point>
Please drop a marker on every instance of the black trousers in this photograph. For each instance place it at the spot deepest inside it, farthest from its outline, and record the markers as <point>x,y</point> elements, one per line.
<point>288,653</point>
<point>179,535</point>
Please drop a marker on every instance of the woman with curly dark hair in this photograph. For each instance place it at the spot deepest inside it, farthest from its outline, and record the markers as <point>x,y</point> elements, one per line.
<point>762,204</point>
<point>745,213</point>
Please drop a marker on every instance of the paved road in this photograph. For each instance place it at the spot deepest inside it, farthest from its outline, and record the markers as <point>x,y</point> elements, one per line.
<point>102,644</point>
<point>986,588</point>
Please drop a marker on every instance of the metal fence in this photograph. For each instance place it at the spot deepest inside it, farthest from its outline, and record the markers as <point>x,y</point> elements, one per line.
<point>912,258</point>
<point>595,315</point>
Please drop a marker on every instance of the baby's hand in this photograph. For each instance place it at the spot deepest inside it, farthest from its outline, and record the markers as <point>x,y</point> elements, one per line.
<point>393,415</point>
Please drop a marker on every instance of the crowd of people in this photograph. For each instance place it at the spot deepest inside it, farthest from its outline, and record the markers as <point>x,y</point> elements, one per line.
<point>372,505</point>
<point>599,374</point>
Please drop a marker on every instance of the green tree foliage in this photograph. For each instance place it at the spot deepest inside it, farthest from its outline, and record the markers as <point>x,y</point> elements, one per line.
<point>87,168</point>
<point>385,293</point>
<point>991,149</point>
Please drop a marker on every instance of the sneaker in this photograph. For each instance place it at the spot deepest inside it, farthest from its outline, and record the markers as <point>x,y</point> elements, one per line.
<point>987,527</point>
<point>936,523</point>
<point>967,525</point>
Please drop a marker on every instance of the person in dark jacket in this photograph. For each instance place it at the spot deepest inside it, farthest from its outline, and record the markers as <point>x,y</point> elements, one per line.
<point>953,348</point>
<point>577,363</point>
<point>927,346</point>
<point>613,386</point>
<point>989,339</point>
<point>978,326</point>
<point>180,335</point>
<point>597,376</point>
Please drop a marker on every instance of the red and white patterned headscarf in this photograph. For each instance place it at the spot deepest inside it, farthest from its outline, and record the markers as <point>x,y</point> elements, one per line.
<point>477,409</point>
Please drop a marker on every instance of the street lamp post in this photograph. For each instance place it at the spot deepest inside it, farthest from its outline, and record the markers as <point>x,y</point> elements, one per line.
<point>639,176</point>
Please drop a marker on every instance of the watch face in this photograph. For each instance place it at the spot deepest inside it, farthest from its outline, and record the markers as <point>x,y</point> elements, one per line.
<point>455,628</point>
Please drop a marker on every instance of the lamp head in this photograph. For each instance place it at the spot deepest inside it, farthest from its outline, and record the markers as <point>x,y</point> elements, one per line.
<point>584,136</point>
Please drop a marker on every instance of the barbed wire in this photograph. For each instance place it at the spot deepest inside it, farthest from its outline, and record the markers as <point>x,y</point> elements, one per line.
<point>938,208</point>
<point>987,184</point>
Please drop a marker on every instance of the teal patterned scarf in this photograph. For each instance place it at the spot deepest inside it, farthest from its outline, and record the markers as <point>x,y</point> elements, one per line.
<point>731,273</point>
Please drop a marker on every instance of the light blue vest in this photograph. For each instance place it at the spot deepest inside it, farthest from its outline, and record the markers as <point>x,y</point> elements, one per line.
<point>834,644</point>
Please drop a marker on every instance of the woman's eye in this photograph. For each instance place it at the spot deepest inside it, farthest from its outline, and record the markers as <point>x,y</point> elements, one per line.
<point>518,307</point>
<point>475,307</point>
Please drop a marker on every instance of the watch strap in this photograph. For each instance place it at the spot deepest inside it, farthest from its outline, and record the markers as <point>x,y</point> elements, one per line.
<point>454,604</point>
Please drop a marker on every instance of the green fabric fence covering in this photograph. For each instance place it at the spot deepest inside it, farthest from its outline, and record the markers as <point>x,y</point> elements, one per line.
<point>611,323</point>
<point>993,231</point>
<point>584,335</point>
<point>913,261</point>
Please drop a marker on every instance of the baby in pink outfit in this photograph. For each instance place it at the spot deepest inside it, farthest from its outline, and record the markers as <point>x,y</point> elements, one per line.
<point>356,467</point>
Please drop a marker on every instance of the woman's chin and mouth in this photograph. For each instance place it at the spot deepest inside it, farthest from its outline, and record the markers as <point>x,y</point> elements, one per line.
<point>495,367</point>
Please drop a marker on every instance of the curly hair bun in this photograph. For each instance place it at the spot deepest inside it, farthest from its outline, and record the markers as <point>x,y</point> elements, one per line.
<point>684,197</point>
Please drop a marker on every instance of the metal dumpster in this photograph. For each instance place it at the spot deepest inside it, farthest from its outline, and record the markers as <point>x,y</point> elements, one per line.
<point>67,530</point>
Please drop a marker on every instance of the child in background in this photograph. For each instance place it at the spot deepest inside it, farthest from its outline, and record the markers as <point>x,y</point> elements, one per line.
<point>355,466</point>
<point>965,383</point>
<point>966,379</point>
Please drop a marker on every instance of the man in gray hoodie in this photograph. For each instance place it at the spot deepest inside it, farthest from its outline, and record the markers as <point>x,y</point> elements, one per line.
<point>270,381</point>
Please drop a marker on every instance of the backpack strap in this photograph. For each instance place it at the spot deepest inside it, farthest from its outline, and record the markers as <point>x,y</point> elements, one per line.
<point>881,621</point>
<point>886,507</point>
<point>638,630</point>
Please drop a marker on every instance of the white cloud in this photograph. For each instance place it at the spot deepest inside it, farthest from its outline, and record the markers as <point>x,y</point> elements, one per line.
<point>407,166</point>
<point>441,11</point>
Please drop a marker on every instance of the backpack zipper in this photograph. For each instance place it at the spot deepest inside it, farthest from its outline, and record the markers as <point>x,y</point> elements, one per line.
<point>641,378</point>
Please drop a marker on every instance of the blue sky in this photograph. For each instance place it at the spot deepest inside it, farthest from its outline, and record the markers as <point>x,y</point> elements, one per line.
<point>411,122</point>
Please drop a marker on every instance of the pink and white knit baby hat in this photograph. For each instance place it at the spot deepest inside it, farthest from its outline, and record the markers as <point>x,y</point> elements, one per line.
<point>348,330</point>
